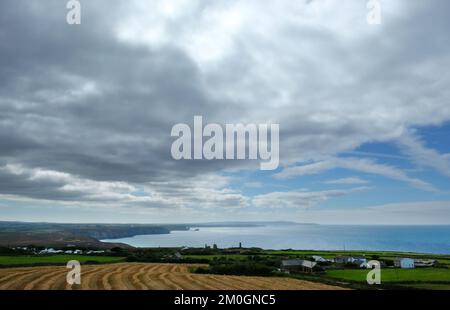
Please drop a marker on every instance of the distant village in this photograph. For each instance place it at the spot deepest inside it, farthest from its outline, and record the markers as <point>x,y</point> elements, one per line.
<point>316,262</point>
<point>296,265</point>
<point>45,251</point>
<point>308,265</point>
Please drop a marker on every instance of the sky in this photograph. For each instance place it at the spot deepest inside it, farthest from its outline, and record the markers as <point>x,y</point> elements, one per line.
<point>86,111</point>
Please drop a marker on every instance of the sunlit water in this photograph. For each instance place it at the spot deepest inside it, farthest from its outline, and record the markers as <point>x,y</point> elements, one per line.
<point>426,239</point>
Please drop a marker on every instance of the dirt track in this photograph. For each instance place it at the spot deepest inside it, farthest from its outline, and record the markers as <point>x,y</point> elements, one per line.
<point>142,277</point>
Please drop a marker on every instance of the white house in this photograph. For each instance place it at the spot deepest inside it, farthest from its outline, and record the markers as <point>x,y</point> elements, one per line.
<point>50,251</point>
<point>95,252</point>
<point>47,251</point>
<point>359,260</point>
<point>178,256</point>
<point>424,262</point>
<point>318,259</point>
<point>340,259</point>
<point>404,263</point>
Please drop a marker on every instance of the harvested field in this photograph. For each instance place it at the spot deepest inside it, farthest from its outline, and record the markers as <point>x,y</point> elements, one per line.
<point>134,276</point>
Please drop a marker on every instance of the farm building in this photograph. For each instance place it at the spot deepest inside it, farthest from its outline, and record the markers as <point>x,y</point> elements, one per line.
<point>424,262</point>
<point>293,265</point>
<point>404,263</point>
<point>366,265</point>
<point>178,256</point>
<point>343,259</point>
<point>358,260</point>
<point>319,259</point>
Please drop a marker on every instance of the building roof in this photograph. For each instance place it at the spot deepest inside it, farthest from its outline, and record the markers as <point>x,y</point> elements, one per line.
<point>343,256</point>
<point>403,258</point>
<point>298,263</point>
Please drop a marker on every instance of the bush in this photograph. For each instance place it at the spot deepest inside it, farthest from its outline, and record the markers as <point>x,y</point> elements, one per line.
<point>239,269</point>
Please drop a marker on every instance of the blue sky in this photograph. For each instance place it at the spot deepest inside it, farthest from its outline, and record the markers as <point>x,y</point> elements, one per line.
<point>86,111</point>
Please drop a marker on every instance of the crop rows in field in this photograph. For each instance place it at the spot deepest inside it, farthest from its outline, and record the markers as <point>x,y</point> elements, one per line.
<point>134,276</point>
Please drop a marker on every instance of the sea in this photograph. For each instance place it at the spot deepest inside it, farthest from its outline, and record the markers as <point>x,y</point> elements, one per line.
<point>421,239</point>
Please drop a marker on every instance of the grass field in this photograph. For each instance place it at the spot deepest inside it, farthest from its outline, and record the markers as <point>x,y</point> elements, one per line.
<point>395,275</point>
<point>144,276</point>
<point>54,259</point>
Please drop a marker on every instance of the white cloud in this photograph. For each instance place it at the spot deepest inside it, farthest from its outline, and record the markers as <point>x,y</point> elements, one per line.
<point>208,192</point>
<point>300,199</point>
<point>407,213</point>
<point>348,181</point>
<point>423,156</point>
<point>354,164</point>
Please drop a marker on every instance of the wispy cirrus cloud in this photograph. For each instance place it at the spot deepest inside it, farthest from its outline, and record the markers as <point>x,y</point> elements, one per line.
<point>348,181</point>
<point>354,164</point>
<point>300,199</point>
<point>415,148</point>
<point>401,213</point>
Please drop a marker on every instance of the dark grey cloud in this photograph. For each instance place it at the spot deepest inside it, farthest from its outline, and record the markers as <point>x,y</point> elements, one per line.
<point>86,104</point>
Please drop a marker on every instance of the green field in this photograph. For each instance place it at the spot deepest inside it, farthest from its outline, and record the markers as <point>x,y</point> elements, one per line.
<point>392,275</point>
<point>54,259</point>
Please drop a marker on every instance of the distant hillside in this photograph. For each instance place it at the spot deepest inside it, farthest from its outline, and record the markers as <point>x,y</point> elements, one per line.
<point>248,224</point>
<point>56,239</point>
<point>83,235</point>
<point>89,235</point>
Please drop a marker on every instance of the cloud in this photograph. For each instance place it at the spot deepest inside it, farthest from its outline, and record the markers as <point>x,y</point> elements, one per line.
<point>348,181</point>
<point>96,102</point>
<point>354,164</point>
<point>300,199</point>
<point>404,213</point>
<point>209,192</point>
<point>423,156</point>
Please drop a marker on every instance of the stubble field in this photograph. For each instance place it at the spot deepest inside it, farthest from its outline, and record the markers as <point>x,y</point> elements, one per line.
<point>135,276</point>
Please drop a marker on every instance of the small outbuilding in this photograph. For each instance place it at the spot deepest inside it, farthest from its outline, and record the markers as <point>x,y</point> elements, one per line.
<point>342,259</point>
<point>296,265</point>
<point>404,263</point>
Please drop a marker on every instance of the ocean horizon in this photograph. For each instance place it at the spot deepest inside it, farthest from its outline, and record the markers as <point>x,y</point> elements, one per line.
<point>402,238</point>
